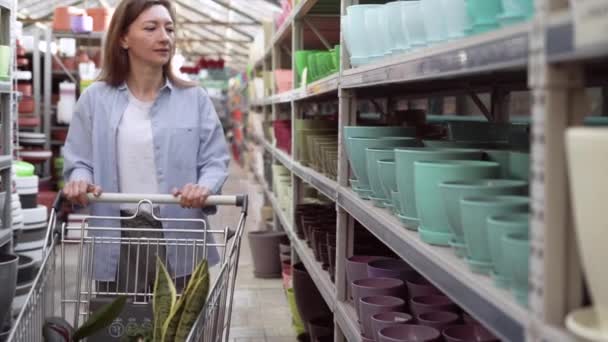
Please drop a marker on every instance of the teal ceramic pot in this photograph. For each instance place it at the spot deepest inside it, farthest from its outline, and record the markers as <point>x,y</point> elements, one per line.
<point>475,212</point>
<point>516,249</point>
<point>397,208</point>
<point>499,227</point>
<point>373,132</point>
<point>454,191</point>
<point>485,11</point>
<point>478,131</point>
<point>501,157</point>
<point>428,175</point>
<point>373,156</point>
<point>523,9</point>
<point>358,156</point>
<point>404,169</point>
<point>484,145</point>
<point>519,165</point>
<point>388,178</point>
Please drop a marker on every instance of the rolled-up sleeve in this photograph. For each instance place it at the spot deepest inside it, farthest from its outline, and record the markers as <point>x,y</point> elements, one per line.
<point>78,149</point>
<point>213,155</point>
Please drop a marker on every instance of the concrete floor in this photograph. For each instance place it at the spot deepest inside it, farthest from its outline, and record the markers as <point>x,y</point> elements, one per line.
<point>261,312</point>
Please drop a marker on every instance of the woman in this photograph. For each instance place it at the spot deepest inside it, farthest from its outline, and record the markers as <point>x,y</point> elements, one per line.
<point>140,129</point>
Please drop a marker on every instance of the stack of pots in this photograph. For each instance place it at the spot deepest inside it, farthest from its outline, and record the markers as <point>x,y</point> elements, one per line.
<point>318,64</point>
<point>316,142</point>
<point>316,223</point>
<point>465,194</point>
<point>395,303</point>
<point>373,32</point>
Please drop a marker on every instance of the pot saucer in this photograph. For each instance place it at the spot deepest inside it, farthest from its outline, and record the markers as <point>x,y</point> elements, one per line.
<point>411,223</point>
<point>584,322</point>
<point>500,281</point>
<point>479,267</point>
<point>378,202</point>
<point>434,238</point>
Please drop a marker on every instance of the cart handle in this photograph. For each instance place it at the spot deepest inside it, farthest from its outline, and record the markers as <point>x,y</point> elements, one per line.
<point>229,200</point>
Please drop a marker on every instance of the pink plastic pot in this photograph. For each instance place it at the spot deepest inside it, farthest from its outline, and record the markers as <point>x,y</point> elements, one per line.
<point>282,133</point>
<point>388,319</point>
<point>424,304</point>
<point>468,333</point>
<point>376,287</point>
<point>374,305</point>
<point>283,78</point>
<point>409,333</point>
<point>438,319</point>
<point>419,286</point>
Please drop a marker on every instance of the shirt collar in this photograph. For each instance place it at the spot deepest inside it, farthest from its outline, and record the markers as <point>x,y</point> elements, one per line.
<point>168,85</point>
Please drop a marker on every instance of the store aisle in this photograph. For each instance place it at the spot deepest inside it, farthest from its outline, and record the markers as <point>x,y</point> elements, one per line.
<point>260,310</point>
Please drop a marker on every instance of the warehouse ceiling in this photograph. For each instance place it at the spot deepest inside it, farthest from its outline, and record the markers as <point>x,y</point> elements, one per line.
<point>211,28</point>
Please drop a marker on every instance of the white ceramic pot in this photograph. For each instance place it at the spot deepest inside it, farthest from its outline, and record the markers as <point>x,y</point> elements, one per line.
<point>587,149</point>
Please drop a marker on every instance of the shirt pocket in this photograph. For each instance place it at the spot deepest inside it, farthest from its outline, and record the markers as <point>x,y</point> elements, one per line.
<point>183,152</point>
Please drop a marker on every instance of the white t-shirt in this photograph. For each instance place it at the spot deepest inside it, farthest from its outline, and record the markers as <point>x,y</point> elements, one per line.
<point>136,164</point>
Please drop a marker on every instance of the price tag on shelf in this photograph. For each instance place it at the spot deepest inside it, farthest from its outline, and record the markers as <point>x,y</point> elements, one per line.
<point>590,22</point>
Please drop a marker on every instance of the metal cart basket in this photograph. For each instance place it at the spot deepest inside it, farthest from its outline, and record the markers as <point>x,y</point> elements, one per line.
<point>65,285</point>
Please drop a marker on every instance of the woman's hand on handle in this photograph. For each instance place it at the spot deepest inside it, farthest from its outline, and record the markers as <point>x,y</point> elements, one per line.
<point>76,191</point>
<point>192,195</point>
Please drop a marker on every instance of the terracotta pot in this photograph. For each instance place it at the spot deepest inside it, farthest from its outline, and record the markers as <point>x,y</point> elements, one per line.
<point>101,18</point>
<point>265,253</point>
<point>467,333</point>
<point>409,332</point>
<point>377,304</point>
<point>419,286</point>
<point>59,134</point>
<point>376,287</point>
<point>424,304</point>
<point>309,301</point>
<point>321,327</point>
<point>438,319</point>
<point>388,319</point>
<point>25,88</point>
<point>26,105</point>
<point>22,62</point>
<point>62,17</point>
<point>28,121</point>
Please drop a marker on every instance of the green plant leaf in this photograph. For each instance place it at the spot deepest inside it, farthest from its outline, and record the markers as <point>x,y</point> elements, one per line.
<point>169,328</point>
<point>164,298</point>
<point>100,319</point>
<point>194,303</point>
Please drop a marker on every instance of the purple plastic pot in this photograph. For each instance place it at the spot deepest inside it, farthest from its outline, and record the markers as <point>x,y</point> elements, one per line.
<point>409,333</point>
<point>365,339</point>
<point>468,319</point>
<point>468,333</point>
<point>391,268</point>
<point>374,305</point>
<point>438,319</point>
<point>308,299</point>
<point>356,266</point>
<point>424,304</point>
<point>321,327</point>
<point>376,287</point>
<point>419,286</point>
<point>388,319</point>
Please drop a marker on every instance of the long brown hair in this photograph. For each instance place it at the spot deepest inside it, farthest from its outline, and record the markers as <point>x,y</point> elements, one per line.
<point>116,65</point>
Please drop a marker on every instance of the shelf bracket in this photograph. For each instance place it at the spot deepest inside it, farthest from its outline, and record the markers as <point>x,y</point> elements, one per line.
<point>317,33</point>
<point>500,104</point>
<point>484,110</point>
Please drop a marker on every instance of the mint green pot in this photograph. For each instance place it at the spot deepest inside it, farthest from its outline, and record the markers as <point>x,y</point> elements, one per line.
<point>475,212</point>
<point>373,156</point>
<point>404,169</point>
<point>454,191</point>
<point>483,145</point>
<point>397,207</point>
<point>358,156</point>
<point>434,226</point>
<point>498,227</point>
<point>519,165</point>
<point>517,257</point>
<point>502,158</point>
<point>373,132</point>
<point>388,178</point>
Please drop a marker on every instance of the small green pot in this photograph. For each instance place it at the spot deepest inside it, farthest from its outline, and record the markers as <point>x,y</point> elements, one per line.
<point>404,169</point>
<point>502,158</point>
<point>519,165</point>
<point>373,156</point>
<point>434,226</point>
<point>499,227</point>
<point>475,212</point>
<point>397,208</point>
<point>454,191</point>
<point>388,178</point>
<point>516,248</point>
<point>359,158</point>
<point>5,57</point>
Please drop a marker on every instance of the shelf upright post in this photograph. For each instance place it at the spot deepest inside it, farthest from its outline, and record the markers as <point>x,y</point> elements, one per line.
<point>48,72</point>
<point>347,110</point>
<point>297,43</point>
<point>558,100</point>
<point>7,19</point>
<point>36,74</point>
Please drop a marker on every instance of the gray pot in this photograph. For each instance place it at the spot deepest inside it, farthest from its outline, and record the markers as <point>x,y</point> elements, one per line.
<point>265,253</point>
<point>8,279</point>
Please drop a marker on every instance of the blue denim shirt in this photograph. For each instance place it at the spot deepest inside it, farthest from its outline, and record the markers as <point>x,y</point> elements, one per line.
<point>189,147</point>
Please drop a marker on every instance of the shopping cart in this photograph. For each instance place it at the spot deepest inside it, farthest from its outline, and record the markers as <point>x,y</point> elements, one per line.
<point>51,294</point>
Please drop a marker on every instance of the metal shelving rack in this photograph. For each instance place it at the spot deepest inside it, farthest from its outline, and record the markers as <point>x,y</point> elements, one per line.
<point>553,57</point>
<point>7,19</point>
